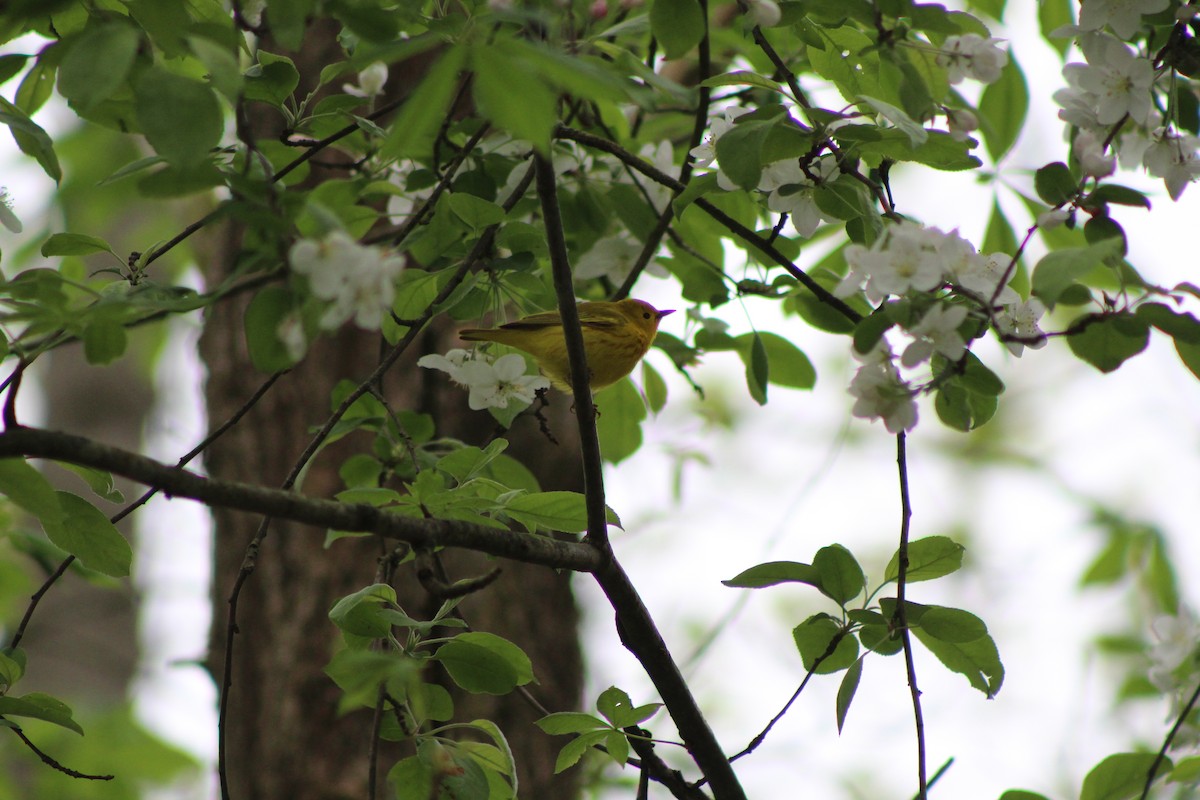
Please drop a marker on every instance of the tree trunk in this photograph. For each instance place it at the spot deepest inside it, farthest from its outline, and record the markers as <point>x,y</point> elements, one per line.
<point>284,738</point>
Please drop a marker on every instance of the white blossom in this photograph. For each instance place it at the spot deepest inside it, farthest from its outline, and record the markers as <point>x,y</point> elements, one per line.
<point>1114,82</point>
<point>1177,641</point>
<point>705,153</point>
<point>763,13</point>
<point>1053,218</point>
<point>1093,158</point>
<point>614,257</point>
<point>7,218</point>
<point>370,81</point>
<point>1021,320</point>
<point>937,332</point>
<point>906,258</point>
<point>961,123</point>
<point>1173,158</point>
<point>791,191</point>
<point>358,281</point>
<point>880,392</point>
<point>492,384</point>
<point>291,333</point>
<point>1123,16</point>
<point>972,56</point>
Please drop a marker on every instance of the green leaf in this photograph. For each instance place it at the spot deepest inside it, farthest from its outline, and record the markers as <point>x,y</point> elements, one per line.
<point>361,613</point>
<point>916,133</point>
<point>564,722</point>
<point>678,25</point>
<point>86,533</point>
<point>31,138</point>
<point>272,80</point>
<point>1059,269</point>
<point>619,425</point>
<point>576,748</point>
<point>788,365</point>
<point>962,409</point>
<point>1052,15</point>
<point>978,661</point>
<point>846,691</point>
<point>36,705</point>
<point>289,20</point>
<point>30,491</point>
<point>741,77</point>
<point>475,211</point>
<point>1189,354</point>
<point>1021,794</point>
<point>813,638</point>
<point>555,511</point>
<point>411,779</point>
<point>842,199</point>
<point>476,668</point>
<point>466,462</point>
<point>104,341</point>
<point>528,113</point>
<point>11,670</point>
<point>97,63</point>
<point>952,624</point>
<point>1181,327</point>
<point>1002,110</point>
<point>928,558</point>
<point>697,187</point>
<point>773,573</point>
<point>180,117</point>
<point>841,577</point>
<point>1116,194</point>
<point>1110,340</point>
<point>75,244</point>
<point>654,388</point>
<point>266,312</point>
<point>511,654</point>
<point>411,134</point>
<point>739,151</point>
<point>757,369</point>
<point>1120,776</point>
<point>1054,183</point>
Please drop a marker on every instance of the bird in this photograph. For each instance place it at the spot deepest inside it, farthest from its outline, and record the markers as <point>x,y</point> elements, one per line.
<point>615,337</point>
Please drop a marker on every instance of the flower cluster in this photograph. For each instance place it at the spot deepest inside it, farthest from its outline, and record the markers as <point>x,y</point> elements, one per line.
<point>1175,667</point>
<point>913,260</point>
<point>1114,88</point>
<point>356,280</point>
<point>492,384</point>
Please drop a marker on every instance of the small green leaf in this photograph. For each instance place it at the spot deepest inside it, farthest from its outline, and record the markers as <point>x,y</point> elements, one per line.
<point>564,722</point>
<point>846,691</point>
<point>1120,776</point>
<point>529,113</point>
<point>757,369</point>
<point>678,25</point>
<point>619,426</point>
<point>86,533</point>
<point>1059,269</point>
<point>1054,183</point>
<point>1110,340</point>
<point>813,638</point>
<point>104,341</point>
<point>1002,110</point>
<point>842,199</point>
<point>1179,326</point>
<point>916,133</point>
<point>36,705</point>
<point>842,578</point>
<point>75,244</point>
<point>773,573</point>
<point>266,312</point>
<point>576,748</point>
<point>180,117</point>
<point>272,80</point>
<point>475,211</point>
<point>113,44</point>
<point>30,491</point>
<point>788,365</point>
<point>739,151</point>
<point>654,388</point>
<point>1021,794</point>
<point>31,138</point>
<point>1116,194</point>
<point>978,660</point>
<point>1189,354</point>
<point>361,613</point>
<point>556,511</point>
<point>476,668</point>
<point>952,624</point>
<point>411,134</point>
<point>928,558</point>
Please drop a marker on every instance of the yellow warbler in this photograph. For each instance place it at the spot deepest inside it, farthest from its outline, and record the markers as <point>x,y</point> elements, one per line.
<point>615,336</point>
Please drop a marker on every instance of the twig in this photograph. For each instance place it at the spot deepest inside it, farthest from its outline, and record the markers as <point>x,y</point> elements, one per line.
<point>901,616</point>
<point>49,761</point>
<point>1166,745</point>
<point>37,598</point>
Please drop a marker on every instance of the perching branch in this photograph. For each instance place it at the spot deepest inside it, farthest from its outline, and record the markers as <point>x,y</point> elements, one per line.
<point>177,482</point>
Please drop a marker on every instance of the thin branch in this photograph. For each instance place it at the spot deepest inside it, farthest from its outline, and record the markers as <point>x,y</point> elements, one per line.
<point>1166,745</point>
<point>37,598</point>
<point>735,227</point>
<point>177,482</point>
<point>50,762</point>
<point>585,411</point>
<point>901,617</point>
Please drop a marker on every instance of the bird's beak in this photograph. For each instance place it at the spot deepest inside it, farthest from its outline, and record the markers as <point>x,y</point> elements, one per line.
<point>662,314</point>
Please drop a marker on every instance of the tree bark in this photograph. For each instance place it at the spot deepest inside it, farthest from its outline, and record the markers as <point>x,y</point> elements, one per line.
<point>284,738</point>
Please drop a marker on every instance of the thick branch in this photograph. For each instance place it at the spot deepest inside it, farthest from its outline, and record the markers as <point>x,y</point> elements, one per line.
<point>175,482</point>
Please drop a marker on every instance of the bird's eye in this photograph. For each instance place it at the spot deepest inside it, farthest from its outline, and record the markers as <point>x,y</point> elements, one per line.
<point>645,315</point>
